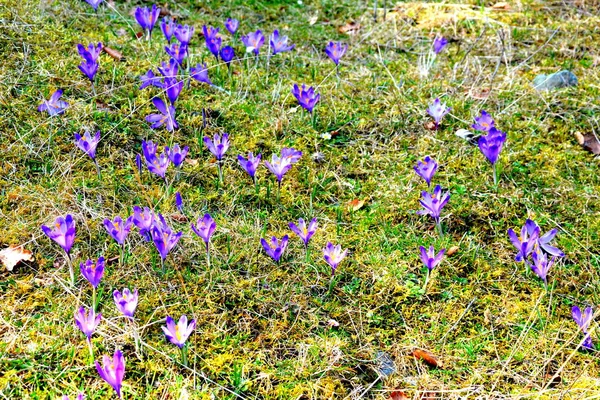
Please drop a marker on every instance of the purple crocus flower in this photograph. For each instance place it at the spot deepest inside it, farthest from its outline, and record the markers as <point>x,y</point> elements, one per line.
<point>177,51</point>
<point>334,255</point>
<point>166,116</point>
<point>94,3</point>
<point>439,44</point>
<point>168,26</point>
<point>163,237</point>
<point>250,164</point>
<point>437,110</point>
<point>232,25</point>
<point>491,144</point>
<point>179,202</point>
<point>584,320</point>
<point>127,302</point>
<point>433,203</point>
<point>156,164</point>
<point>113,371</point>
<point>149,79</point>
<point>212,39</point>
<point>275,247</point>
<point>483,123</point>
<point>543,241</point>
<point>279,43</point>
<point>335,51</point>
<point>144,220</point>
<point>177,154</point>
<point>118,229</point>
<point>93,271</point>
<point>87,143</point>
<point>180,332</point>
<point>147,18</point>
<point>89,69</point>
<point>200,73</point>
<point>54,106</point>
<point>138,162</point>
<point>227,54</point>
<point>173,88</point>
<point>253,41</point>
<point>306,97</point>
<point>541,265</point>
<point>80,396</point>
<point>204,228</point>
<point>218,146</point>
<point>426,169</point>
<point>91,53</point>
<point>62,232</point>
<point>170,69</point>
<point>429,258</point>
<point>184,33</point>
<point>279,166</point>
<point>526,241</point>
<point>304,232</point>
<point>87,321</point>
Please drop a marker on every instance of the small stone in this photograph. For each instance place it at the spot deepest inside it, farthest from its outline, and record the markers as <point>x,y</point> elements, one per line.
<point>385,364</point>
<point>557,80</point>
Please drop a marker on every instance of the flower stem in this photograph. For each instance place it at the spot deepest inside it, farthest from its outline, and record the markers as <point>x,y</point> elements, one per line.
<point>307,251</point>
<point>439,227</point>
<point>426,281</point>
<point>98,169</point>
<point>331,282</point>
<point>208,254</point>
<point>184,360</point>
<point>94,298</point>
<point>220,172</point>
<point>91,349</point>
<point>278,190</point>
<point>72,275</point>
<point>162,265</point>
<point>495,174</point>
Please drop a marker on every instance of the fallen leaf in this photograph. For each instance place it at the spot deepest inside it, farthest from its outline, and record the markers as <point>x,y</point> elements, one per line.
<point>313,19</point>
<point>479,94</point>
<point>427,357</point>
<point>429,125</point>
<point>112,260</point>
<point>356,204</point>
<point>452,251</point>
<point>332,323</point>
<point>501,6</point>
<point>351,28</point>
<point>428,396</point>
<point>589,142</point>
<point>113,53</point>
<point>179,217</point>
<point>193,162</point>
<point>398,395</point>
<point>139,35</point>
<point>13,255</point>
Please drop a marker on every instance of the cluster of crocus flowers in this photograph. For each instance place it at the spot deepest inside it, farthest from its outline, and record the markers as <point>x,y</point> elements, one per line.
<point>212,39</point>
<point>433,203</point>
<point>491,142</point>
<point>584,320</point>
<point>307,98</point>
<point>437,110</point>
<point>112,370</point>
<point>426,169</point>
<point>157,164</point>
<point>90,55</point>
<point>63,233</point>
<point>146,18</point>
<point>54,105</point>
<point>531,243</point>
<point>205,227</point>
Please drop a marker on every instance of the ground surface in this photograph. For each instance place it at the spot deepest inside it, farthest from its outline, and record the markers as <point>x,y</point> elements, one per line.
<point>263,330</point>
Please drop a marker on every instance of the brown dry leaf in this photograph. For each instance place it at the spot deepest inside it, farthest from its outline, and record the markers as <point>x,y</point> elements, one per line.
<point>13,255</point>
<point>479,94</point>
<point>192,161</point>
<point>429,125</point>
<point>428,396</point>
<point>113,53</point>
<point>179,217</point>
<point>351,28</point>
<point>427,357</point>
<point>589,142</point>
<point>452,251</point>
<point>501,6</point>
<point>112,260</point>
<point>398,395</point>
<point>139,35</point>
<point>356,204</point>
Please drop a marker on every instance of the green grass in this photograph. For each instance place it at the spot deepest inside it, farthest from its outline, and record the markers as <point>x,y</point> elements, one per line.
<point>263,330</point>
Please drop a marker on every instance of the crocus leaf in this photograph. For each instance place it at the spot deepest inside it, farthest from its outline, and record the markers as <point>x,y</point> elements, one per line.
<point>13,255</point>
<point>427,357</point>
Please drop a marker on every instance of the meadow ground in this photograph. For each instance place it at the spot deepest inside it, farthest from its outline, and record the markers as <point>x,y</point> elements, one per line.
<point>266,330</point>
